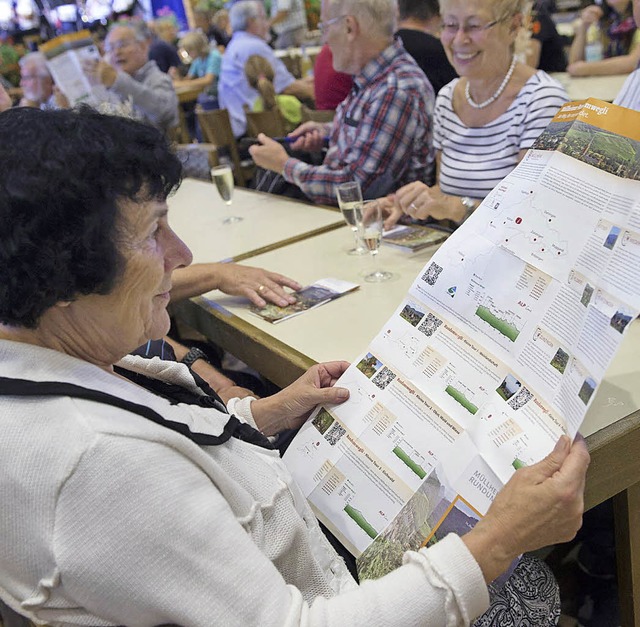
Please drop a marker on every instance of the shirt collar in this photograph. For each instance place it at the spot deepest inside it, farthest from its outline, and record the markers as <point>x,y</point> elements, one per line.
<point>372,69</point>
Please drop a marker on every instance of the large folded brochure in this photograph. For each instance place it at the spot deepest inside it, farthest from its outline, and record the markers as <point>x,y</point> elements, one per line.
<point>495,352</point>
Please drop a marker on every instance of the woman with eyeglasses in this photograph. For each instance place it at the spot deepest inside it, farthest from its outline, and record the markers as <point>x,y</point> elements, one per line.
<point>485,120</point>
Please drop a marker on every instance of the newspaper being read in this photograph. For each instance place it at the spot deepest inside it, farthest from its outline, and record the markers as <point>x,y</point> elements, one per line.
<point>495,352</point>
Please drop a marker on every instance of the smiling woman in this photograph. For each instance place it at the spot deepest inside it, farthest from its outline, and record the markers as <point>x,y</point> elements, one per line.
<point>485,120</point>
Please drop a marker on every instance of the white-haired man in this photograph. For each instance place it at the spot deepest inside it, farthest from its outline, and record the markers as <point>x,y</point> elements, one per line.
<point>381,134</point>
<point>132,80</point>
<point>250,30</point>
<point>36,82</point>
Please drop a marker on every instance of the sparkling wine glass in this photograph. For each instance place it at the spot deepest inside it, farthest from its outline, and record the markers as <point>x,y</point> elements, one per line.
<point>350,201</point>
<point>222,176</point>
<point>372,227</point>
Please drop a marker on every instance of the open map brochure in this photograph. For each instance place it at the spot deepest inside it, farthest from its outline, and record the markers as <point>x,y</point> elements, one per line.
<point>308,297</point>
<point>495,351</point>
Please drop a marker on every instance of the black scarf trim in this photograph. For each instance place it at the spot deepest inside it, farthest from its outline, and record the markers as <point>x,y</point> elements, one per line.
<point>233,428</point>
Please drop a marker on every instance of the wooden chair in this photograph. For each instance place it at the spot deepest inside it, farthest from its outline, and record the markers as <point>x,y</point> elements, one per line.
<point>317,115</point>
<point>268,122</point>
<point>216,129</point>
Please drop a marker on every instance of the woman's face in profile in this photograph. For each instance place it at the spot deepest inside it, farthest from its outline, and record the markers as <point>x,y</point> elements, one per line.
<point>476,42</point>
<point>135,311</point>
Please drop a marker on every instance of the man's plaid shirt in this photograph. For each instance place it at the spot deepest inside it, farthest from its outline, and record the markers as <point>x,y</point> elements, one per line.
<point>381,135</point>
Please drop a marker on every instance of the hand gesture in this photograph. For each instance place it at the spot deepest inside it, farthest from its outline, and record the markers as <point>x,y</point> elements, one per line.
<point>289,408</point>
<point>420,201</point>
<point>309,136</point>
<point>591,15</point>
<point>540,505</point>
<point>269,154</point>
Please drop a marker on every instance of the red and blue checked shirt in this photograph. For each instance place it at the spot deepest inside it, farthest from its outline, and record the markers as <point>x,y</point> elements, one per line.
<point>381,135</point>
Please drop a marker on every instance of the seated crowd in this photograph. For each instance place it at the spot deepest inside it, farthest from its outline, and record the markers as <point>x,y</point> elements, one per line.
<point>434,105</point>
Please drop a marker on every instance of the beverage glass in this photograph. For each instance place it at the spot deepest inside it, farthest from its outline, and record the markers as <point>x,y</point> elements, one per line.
<point>222,176</point>
<point>372,227</point>
<point>350,201</point>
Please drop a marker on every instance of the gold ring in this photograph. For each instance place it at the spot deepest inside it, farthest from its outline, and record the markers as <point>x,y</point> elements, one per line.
<point>261,288</point>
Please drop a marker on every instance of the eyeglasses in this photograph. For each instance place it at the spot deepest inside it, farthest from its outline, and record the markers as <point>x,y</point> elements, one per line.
<point>117,45</point>
<point>471,29</point>
<point>322,26</point>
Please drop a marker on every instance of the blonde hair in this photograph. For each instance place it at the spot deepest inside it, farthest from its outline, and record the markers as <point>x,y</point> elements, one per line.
<point>260,76</point>
<point>195,41</point>
<point>499,8</point>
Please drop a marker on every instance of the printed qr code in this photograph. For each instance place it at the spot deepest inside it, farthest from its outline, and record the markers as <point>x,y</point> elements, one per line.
<point>432,273</point>
<point>520,399</point>
<point>383,378</point>
<point>430,325</point>
<point>335,433</point>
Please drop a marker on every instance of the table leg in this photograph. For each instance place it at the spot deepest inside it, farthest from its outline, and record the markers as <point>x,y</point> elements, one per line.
<point>627,528</point>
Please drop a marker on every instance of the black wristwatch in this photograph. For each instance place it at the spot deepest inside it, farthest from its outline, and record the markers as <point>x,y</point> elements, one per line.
<point>192,356</point>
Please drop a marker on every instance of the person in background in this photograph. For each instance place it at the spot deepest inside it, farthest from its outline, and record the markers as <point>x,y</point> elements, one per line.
<point>260,77</point>
<point>205,62</point>
<point>618,40</point>
<point>9,60</point>
<point>487,119</point>
<point>139,498</point>
<point>381,133</point>
<point>221,27</point>
<point>546,47</point>
<point>136,85</point>
<point>330,87</point>
<point>250,30</point>
<point>419,30</point>
<point>36,82</point>
<point>5,99</point>
<point>289,23</point>
<point>629,95</point>
<point>163,51</point>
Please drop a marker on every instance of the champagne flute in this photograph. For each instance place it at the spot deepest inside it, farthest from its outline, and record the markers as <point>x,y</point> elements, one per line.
<point>222,176</point>
<point>350,201</point>
<point>372,227</point>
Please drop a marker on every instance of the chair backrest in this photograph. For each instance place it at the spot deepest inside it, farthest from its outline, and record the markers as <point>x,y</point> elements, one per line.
<point>216,129</point>
<point>268,122</point>
<point>317,115</point>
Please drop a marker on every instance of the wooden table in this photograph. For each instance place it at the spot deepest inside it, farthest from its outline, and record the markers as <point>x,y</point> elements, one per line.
<point>196,212</point>
<point>342,329</point>
<point>582,87</point>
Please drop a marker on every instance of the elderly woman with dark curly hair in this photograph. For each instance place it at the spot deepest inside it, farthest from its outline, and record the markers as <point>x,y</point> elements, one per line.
<point>130,495</point>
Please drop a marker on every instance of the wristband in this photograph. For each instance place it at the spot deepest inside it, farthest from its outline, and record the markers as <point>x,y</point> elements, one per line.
<point>192,356</point>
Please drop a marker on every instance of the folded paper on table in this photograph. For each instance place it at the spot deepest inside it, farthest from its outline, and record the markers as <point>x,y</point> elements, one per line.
<point>308,297</point>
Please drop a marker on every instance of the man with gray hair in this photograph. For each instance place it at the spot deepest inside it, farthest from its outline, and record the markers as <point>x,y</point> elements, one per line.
<point>135,84</point>
<point>381,134</point>
<point>250,30</point>
<point>36,82</point>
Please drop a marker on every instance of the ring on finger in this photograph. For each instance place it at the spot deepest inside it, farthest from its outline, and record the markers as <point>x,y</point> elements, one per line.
<point>261,288</point>
<point>413,207</point>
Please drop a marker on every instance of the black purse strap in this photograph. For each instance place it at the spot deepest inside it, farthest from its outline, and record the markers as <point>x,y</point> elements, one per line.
<point>233,428</point>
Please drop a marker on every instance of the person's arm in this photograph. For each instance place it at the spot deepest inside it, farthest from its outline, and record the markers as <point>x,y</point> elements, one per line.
<point>258,285</point>
<point>5,99</point>
<point>155,96</point>
<point>589,15</point>
<point>624,64</point>
<point>379,148</point>
<point>302,88</point>
<point>225,388</point>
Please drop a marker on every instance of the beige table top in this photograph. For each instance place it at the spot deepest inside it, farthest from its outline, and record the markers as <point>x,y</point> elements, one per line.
<point>196,212</point>
<point>582,87</point>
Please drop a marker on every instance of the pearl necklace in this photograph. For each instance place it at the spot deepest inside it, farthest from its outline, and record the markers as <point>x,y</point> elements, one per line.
<point>496,95</point>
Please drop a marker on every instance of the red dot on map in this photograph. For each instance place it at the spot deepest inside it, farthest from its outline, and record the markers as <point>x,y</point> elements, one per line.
<point>518,220</point>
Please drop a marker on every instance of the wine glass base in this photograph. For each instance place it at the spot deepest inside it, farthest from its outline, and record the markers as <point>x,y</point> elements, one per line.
<point>358,251</point>
<point>378,276</point>
<point>232,220</point>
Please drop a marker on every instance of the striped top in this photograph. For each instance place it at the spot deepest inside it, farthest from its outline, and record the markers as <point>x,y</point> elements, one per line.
<point>474,160</point>
<point>629,95</point>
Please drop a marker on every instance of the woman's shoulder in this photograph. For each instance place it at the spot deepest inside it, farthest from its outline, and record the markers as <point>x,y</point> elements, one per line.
<point>542,86</point>
<point>445,95</point>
